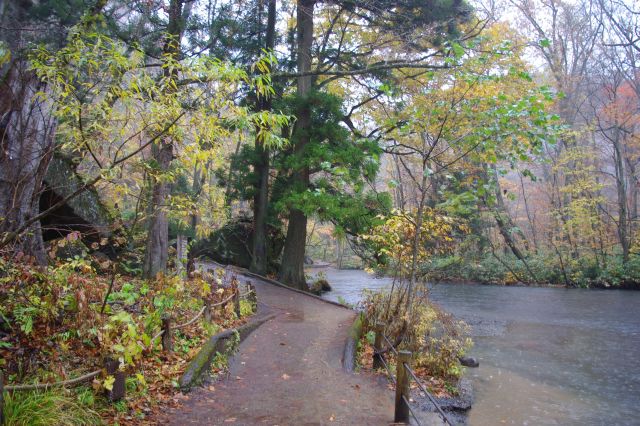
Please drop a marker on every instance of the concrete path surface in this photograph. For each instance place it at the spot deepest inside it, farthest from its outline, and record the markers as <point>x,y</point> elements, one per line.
<point>289,372</point>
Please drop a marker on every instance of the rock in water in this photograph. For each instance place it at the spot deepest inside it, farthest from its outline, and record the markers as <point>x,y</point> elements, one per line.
<point>324,285</point>
<point>319,287</point>
<point>469,361</point>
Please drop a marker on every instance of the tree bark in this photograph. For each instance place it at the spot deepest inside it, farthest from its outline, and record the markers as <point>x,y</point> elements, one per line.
<point>156,253</point>
<point>157,249</point>
<point>27,130</point>
<point>261,167</point>
<point>292,268</point>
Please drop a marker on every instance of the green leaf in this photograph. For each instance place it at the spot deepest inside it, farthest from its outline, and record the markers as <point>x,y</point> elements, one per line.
<point>458,50</point>
<point>108,383</point>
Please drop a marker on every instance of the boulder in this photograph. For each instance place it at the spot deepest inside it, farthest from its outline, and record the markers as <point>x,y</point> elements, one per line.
<point>232,244</point>
<point>64,249</point>
<point>85,213</point>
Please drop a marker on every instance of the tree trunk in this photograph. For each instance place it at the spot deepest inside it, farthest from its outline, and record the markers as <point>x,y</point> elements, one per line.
<point>292,268</point>
<point>632,184</point>
<point>506,225</point>
<point>157,250</point>
<point>621,187</point>
<point>399,190</point>
<point>415,244</point>
<point>156,253</point>
<point>261,167</point>
<point>530,218</point>
<point>27,130</point>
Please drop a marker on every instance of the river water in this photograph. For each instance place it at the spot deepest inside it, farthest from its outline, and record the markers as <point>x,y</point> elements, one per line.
<point>548,356</point>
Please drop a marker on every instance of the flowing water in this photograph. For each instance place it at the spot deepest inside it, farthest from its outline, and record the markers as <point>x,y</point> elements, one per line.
<point>548,356</point>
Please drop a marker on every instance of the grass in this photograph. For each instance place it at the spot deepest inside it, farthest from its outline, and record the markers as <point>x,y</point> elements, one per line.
<point>51,407</point>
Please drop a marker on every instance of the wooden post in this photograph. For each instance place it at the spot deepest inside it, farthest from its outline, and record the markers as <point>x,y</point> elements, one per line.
<point>119,388</point>
<point>402,387</point>
<point>167,337</point>
<point>377,345</point>
<point>236,301</point>
<point>253,296</point>
<point>207,310</point>
<point>1,399</point>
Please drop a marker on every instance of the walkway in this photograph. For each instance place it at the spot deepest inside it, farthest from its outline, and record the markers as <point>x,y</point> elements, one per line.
<point>289,372</point>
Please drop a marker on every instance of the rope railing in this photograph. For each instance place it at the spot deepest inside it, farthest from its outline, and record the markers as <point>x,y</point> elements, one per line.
<point>391,347</point>
<point>45,386</point>
<point>415,417</point>
<point>428,394</point>
<point>386,366</point>
<point>402,379</point>
<point>167,327</point>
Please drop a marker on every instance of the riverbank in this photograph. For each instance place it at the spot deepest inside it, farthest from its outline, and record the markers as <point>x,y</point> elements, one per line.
<point>539,269</point>
<point>465,280</point>
<point>548,356</point>
<point>632,285</point>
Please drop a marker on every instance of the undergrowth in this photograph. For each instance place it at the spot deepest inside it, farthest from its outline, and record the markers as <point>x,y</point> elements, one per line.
<point>59,322</point>
<point>435,337</point>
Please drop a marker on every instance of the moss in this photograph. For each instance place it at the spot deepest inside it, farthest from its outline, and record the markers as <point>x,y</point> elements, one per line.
<point>223,343</point>
<point>351,345</point>
<point>63,178</point>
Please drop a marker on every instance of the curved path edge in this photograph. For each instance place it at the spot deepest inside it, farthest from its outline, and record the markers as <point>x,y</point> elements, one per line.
<point>200,364</point>
<point>289,370</point>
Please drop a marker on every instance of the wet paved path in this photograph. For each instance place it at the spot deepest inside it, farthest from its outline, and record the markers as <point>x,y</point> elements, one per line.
<point>289,372</point>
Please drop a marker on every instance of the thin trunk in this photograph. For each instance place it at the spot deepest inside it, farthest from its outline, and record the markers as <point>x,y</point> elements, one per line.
<point>261,199</point>
<point>532,224</point>
<point>199,177</point>
<point>621,188</point>
<point>415,245</point>
<point>400,188</point>
<point>633,212</point>
<point>229,187</point>
<point>506,225</point>
<point>292,268</point>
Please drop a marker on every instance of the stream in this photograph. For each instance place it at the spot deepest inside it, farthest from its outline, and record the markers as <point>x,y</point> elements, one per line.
<point>548,356</point>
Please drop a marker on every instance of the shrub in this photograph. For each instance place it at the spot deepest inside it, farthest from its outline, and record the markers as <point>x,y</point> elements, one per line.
<point>436,339</point>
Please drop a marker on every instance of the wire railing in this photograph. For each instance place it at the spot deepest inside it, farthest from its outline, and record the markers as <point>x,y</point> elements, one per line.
<point>402,379</point>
